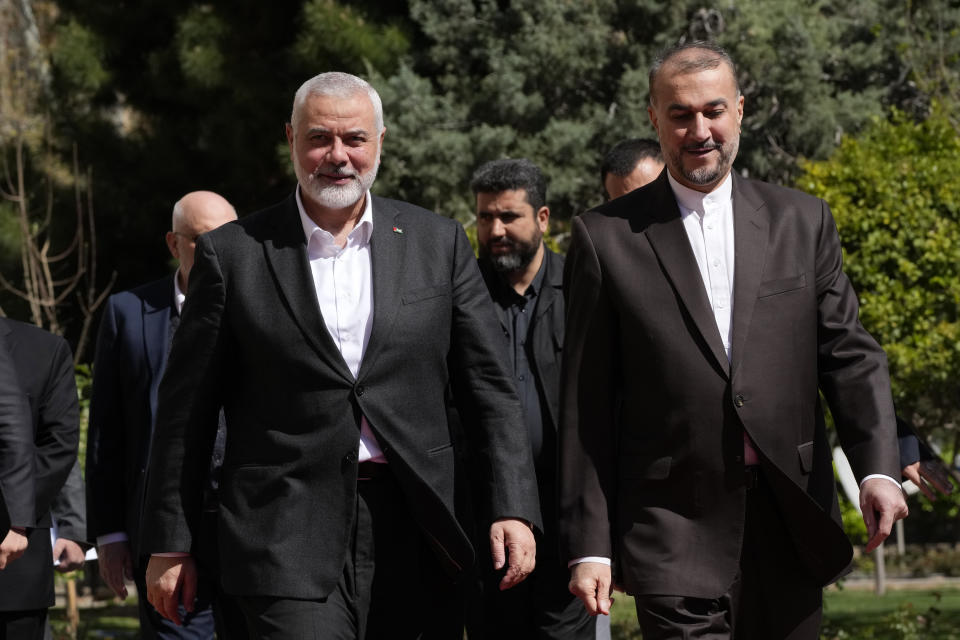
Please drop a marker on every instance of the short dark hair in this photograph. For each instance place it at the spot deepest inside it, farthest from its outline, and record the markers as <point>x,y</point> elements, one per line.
<point>713,56</point>
<point>509,174</point>
<point>623,158</point>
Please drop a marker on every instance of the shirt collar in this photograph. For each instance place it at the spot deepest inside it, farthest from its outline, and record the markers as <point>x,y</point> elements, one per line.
<point>178,295</point>
<point>360,234</point>
<point>693,200</point>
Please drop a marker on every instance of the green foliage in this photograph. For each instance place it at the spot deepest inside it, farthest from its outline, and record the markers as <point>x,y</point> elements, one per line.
<point>83,374</point>
<point>329,26</point>
<point>198,46</point>
<point>896,202</point>
<point>78,55</point>
<point>853,524</point>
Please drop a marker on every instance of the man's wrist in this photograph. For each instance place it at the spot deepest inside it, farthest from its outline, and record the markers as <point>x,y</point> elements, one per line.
<point>880,475</point>
<point>597,559</point>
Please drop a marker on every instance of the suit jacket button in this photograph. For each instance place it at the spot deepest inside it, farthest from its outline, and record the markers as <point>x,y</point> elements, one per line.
<point>738,401</point>
<point>360,390</point>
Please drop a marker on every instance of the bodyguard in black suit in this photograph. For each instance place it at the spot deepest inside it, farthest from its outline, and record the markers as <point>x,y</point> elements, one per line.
<point>705,314</point>
<point>328,327</point>
<point>525,280</point>
<point>17,492</point>
<point>44,368</point>
<point>135,335</point>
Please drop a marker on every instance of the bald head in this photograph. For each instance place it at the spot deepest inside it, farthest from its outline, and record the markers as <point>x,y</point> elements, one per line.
<point>194,214</point>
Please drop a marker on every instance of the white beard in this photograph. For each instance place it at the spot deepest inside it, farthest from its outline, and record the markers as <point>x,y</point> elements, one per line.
<point>336,196</point>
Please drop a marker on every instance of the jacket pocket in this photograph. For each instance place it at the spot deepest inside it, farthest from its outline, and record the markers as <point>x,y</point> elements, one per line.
<point>425,293</point>
<point>781,285</point>
<point>441,449</point>
<point>805,451</point>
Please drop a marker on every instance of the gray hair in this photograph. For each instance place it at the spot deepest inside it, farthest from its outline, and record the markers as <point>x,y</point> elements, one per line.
<point>710,56</point>
<point>338,85</point>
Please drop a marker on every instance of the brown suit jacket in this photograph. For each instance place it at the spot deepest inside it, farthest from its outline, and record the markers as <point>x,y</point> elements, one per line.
<point>653,413</point>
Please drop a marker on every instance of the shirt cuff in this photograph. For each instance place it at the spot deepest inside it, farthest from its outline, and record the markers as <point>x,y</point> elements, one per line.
<point>598,559</point>
<point>171,554</point>
<point>880,475</point>
<point>110,538</point>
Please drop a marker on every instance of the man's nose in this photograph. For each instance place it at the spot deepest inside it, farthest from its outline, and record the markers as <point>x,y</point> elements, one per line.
<point>338,152</point>
<point>497,228</point>
<point>701,128</point>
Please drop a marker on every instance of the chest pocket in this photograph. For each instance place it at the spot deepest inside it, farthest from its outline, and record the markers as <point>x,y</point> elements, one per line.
<point>781,285</point>
<point>426,293</point>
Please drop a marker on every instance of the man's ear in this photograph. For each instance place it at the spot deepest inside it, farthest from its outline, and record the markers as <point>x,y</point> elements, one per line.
<point>543,219</point>
<point>171,239</point>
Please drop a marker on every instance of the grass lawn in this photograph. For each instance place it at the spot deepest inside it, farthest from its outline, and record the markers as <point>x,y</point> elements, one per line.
<point>932,614</point>
<point>854,615</point>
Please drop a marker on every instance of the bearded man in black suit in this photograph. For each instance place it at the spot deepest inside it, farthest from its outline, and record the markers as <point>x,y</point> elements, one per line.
<point>329,328</point>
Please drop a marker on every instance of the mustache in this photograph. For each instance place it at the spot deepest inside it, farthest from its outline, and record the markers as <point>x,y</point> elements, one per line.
<point>712,146</point>
<point>338,172</point>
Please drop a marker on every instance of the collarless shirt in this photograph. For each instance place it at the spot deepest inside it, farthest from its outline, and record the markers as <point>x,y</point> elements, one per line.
<point>519,312</point>
<point>343,282</point>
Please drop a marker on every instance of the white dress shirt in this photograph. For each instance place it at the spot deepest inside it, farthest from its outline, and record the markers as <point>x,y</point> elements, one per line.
<point>343,280</point>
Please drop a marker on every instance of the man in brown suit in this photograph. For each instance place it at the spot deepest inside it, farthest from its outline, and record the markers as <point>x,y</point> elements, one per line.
<point>705,314</point>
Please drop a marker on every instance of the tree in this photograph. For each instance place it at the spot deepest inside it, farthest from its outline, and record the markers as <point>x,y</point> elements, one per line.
<point>896,200</point>
<point>57,260</point>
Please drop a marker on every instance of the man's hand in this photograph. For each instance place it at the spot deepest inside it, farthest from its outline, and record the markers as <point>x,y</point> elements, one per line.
<point>70,555</point>
<point>116,565</point>
<point>882,504</point>
<point>170,582</point>
<point>931,473</point>
<point>512,541</point>
<point>591,582</point>
<point>12,547</point>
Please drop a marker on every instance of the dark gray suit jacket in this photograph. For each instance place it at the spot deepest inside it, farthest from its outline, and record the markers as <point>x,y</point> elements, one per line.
<point>653,412</point>
<point>17,492</point>
<point>44,367</point>
<point>252,340</point>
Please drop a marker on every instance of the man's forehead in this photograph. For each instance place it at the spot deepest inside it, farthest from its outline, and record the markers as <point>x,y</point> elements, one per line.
<point>503,200</point>
<point>321,110</point>
<point>686,71</point>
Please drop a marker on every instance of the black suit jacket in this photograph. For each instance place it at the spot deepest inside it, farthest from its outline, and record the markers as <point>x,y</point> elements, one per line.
<point>17,492</point>
<point>44,366</point>
<point>130,358</point>
<point>252,339</point>
<point>653,412</point>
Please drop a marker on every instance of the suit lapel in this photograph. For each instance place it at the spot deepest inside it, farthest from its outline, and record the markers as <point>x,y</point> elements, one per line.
<point>156,318</point>
<point>669,240</point>
<point>387,251</point>
<point>286,253</point>
<point>750,234</point>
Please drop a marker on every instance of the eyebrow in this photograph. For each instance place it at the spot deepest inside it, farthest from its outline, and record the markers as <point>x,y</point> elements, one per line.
<point>719,102</point>
<point>324,130</point>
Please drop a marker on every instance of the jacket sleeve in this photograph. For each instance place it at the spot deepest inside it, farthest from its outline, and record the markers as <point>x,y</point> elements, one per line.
<point>588,398</point>
<point>485,392</point>
<point>106,440</point>
<point>16,450</point>
<point>852,367</point>
<point>187,414</point>
<point>69,510</point>
<point>58,428</point>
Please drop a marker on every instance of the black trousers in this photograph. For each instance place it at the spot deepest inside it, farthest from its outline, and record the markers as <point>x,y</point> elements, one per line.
<point>392,587</point>
<point>23,625</point>
<point>539,608</point>
<point>773,597</point>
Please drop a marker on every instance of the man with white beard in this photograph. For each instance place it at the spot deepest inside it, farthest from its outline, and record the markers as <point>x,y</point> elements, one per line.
<point>330,328</point>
